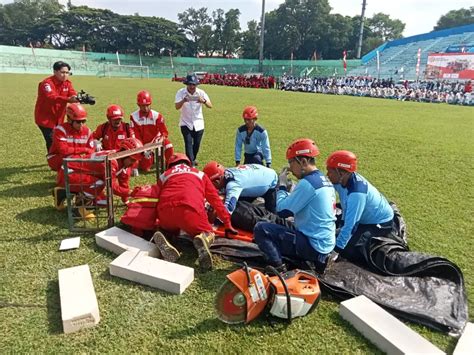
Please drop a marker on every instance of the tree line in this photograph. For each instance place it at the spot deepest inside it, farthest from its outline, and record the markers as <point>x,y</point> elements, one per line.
<point>301,29</point>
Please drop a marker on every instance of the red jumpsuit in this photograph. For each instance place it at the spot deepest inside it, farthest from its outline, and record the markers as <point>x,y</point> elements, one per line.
<point>51,102</point>
<point>111,139</point>
<point>181,201</point>
<point>149,128</point>
<point>68,142</point>
<point>89,177</point>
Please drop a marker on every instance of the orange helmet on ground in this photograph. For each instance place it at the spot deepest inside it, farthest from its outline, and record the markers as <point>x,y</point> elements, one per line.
<point>114,112</point>
<point>178,157</point>
<point>131,143</point>
<point>76,112</point>
<point>144,98</point>
<point>342,159</point>
<point>214,170</point>
<point>250,113</point>
<point>303,147</point>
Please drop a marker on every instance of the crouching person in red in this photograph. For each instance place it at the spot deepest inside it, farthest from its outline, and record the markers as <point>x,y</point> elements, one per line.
<point>87,178</point>
<point>181,207</point>
<point>108,135</point>
<point>70,139</point>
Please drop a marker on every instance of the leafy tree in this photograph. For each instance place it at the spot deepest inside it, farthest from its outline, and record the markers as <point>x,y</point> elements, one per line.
<point>197,26</point>
<point>251,40</point>
<point>383,27</point>
<point>231,38</point>
<point>456,18</point>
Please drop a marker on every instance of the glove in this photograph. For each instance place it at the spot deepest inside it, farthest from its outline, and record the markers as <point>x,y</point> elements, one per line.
<point>229,231</point>
<point>97,145</point>
<point>283,177</point>
<point>333,256</point>
<point>147,154</point>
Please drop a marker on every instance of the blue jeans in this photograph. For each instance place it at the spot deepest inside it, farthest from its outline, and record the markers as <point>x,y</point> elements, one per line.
<point>276,241</point>
<point>192,142</point>
<point>255,158</point>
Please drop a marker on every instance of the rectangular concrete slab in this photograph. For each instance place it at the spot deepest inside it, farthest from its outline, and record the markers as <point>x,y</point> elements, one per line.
<point>465,343</point>
<point>79,308</point>
<point>166,276</point>
<point>117,241</point>
<point>384,330</point>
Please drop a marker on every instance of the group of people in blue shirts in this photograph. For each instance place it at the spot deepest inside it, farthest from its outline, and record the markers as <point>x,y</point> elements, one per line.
<point>318,234</point>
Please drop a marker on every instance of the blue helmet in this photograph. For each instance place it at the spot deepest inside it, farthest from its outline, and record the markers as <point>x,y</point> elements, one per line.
<point>191,79</point>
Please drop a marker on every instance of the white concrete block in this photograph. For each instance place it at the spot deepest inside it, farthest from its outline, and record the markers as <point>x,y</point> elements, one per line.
<point>117,241</point>
<point>166,276</point>
<point>384,330</point>
<point>465,343</point>
<point>79,308</point>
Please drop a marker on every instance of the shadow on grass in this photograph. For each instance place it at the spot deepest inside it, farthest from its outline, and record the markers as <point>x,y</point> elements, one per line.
<point>44,215</point>
<point>5,173</point>
<point>54,308</point>
<point>39,189</point>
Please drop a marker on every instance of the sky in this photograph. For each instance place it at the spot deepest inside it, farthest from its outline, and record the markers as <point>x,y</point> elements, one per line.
<point>420,16</point>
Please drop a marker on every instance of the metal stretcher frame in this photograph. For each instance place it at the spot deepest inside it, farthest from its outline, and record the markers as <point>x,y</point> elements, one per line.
<point>158,150</point>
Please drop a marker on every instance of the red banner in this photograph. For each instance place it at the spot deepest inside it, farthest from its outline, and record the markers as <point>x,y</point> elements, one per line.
<point>450,66</point>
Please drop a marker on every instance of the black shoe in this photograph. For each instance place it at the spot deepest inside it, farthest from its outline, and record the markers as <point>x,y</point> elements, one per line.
<point>195,163</point>
<point>59,195</point>
<point>168,252</point>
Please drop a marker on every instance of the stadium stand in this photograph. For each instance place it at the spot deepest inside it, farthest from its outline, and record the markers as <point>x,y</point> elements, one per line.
<point>40,61</point>
<point>398,58</point>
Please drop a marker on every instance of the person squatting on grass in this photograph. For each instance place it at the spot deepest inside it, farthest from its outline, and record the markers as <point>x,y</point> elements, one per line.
<point>109,135</point>
<point>87,178</point>
<point>190,100</point>
<point>54,93</point>
<point>312,203</point>
<point>246,182</point>
<point>71,139</point>
<point>182,191</point>
<point>254,138</point>
<point>365,211</point>
<point>149,126</point>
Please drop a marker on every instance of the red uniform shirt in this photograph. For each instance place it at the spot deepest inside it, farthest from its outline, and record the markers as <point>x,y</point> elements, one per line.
<point>183,185</point>
<point>51,102</point>
<point>148,127</point>
<point>68,141</point>
<point>111,139</point>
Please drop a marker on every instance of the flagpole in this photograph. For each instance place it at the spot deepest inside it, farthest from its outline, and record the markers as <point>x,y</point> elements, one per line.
<point>140,56</point>
<point>118,59</point>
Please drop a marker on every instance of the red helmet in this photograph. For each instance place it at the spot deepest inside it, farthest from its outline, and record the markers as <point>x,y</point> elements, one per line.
<point>114,112</point>
<point>131,143</point>
<point>213,170</point>
<point>303,147</point>
<point>250,113</point>
<point>144,98</point>
<point>177,157</point>
<point>76,112</point>
<point>342,159</point>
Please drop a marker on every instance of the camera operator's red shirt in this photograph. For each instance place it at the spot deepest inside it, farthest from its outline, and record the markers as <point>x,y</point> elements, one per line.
<point>51,102</point>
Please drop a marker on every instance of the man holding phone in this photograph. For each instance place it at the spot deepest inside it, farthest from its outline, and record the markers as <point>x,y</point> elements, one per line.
<point>190,101</point>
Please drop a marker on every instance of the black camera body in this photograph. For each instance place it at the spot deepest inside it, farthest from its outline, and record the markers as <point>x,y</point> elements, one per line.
<point>85,98</point>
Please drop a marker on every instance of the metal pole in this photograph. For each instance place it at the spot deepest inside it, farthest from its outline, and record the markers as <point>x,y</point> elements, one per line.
<point>262,31</point>
<point>361,31</point>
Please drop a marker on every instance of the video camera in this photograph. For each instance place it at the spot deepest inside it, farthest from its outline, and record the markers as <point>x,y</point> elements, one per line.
<point>85,98</point>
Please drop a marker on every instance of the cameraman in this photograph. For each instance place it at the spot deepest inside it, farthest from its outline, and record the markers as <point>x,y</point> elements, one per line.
<point>54,93</point>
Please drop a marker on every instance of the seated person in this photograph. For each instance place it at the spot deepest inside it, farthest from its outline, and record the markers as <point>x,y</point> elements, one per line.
<point>88,177</point>
<point>254,138</point>
<point>182,191</point>
<point>108,135</point>
<point>312,203</point>
<point>245,181</point>
<point>72,138</point>
<point>365,211</point>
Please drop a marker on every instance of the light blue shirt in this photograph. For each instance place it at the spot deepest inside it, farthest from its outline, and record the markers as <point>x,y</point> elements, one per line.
<point>258,141</point>
<point>361,203</point>
<point>250,180</point>
<point>313,204</point>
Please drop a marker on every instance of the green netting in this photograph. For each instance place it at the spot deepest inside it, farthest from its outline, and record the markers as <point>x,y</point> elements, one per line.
<point>39,60</point>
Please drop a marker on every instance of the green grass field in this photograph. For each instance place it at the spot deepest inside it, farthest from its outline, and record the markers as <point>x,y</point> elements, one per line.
<point>418,155</point>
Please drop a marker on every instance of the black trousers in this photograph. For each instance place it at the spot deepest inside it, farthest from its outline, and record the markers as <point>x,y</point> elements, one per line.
<point>192,142</point>
<point>48,136</point>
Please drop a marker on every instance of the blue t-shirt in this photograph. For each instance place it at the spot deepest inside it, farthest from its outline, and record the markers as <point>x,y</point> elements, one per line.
<point>361,203</point>
<point>257,142</point>
<point>250,180</point>
<point>313,204</point>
